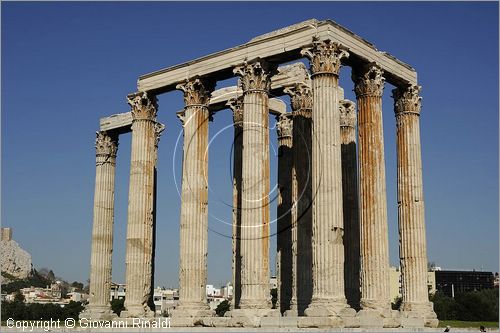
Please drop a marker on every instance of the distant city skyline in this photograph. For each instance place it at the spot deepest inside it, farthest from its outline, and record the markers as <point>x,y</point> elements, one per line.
<point>65,65</point>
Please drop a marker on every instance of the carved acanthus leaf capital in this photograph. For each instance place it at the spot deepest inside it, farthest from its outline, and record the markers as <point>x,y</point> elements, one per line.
<point>197,91</point>
<point>159,128</point>
<point>347,113</point>
<point>106,144</point>
<point>325,57</point>
<point>301,98</point>
<point>236,105</point>
<point>182,117</point>
<point>407,99</point>
<point>284,126</point>
<point>368,80</point>
<point>144,106</point>
<point>255,75</point>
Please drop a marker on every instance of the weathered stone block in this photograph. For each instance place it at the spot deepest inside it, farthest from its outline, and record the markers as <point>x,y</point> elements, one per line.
<point>319,322</point>
<point>289,322</point>
<point>181,322</point>
<point>412,322</point>
<point>270,322</point>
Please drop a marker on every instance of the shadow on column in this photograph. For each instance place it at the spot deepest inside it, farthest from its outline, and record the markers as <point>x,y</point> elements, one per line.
<point>351,224</point>
<point>302,146</point>
<point>153,252</point>
<point>284,227</point>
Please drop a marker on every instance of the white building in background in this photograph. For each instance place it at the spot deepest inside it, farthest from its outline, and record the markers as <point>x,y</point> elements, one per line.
<point>212,291</point>
<point>117,291</point>
<point>227,291</point>
<point>165,300</point>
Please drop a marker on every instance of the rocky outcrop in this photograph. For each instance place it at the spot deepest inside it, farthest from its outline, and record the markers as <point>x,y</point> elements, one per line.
<point>14,260</point>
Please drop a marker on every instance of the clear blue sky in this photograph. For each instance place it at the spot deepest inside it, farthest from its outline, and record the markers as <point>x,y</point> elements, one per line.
<point>65,65</point>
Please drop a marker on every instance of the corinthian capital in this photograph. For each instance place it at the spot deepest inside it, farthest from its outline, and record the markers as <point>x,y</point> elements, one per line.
<point>301,98</point>
<point>236,105</point>
<point>106,144</point>
<point>407,99</point>
<point>368,81</point>
<point>255,75</point>
<point>284,126</point>
<point>159,128</point>
<point>197,91</point>
<point>325,56</point>
<point>347,113</point>
<point>144,106</point>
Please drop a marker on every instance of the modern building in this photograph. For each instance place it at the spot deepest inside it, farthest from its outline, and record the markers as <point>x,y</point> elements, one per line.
<point>212,291</point>
<point>452,282</point>
<point>165,300</point>
<point>227,291</point>
<point>117,291</point>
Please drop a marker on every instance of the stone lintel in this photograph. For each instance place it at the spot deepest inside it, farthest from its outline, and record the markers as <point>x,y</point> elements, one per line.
<point>280,46</point>
<point>122,122</point>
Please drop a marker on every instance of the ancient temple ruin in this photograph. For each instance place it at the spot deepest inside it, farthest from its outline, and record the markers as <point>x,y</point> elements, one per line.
<point>332,245</point>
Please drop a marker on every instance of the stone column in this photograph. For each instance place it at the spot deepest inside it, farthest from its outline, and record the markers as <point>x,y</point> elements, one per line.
<point>375,294</point>
<point>194,210</point>
<point>350,202</point>
<point>328,298</point>
<point>285,254</point>
<point>255,82</point>
<point>140,226</point>
<point>102,230</point>
<point>301,103</point>
<point>411,214</point>
<point>236,106</point>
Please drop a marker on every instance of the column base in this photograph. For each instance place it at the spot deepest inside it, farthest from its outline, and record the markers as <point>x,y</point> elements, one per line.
<point>412,311</point>
<point>250,317</point>
<point>293,312</point>
<point>97,313</point>
<point>379,318</point>
<point>378,314</point>
<point>325,307</point>
<point>192,310</point>
<point>189,314</point>
<point>328,313</point>
<point>252,304</point>
<point>137,311</point>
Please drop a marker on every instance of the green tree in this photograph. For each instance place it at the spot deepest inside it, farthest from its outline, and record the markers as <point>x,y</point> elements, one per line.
<point>478,305</point>
<point>35,279</point>
<point>222,308</point>
<point>19,297</point>
<point>396,304</point>
<point>274,297</point>
<point>117,305</point>
<point>77,285</point>
<point>73,309</point>
<point>445,307</point>
<point>51,276</point>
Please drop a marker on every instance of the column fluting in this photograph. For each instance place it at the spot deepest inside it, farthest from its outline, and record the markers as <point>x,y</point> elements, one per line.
<point>285,254</point>
<point>369,86</point>
<point>140,226</point>
<point>301,104</point>
<point>255,82</point>
<point>327,225</point>
<point>350,202</point>
<point>102,229</point>
<point>236,106</point>
<point>411,211</point>
<point>194,205</point>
